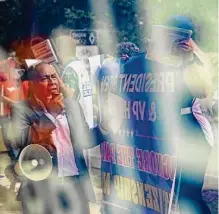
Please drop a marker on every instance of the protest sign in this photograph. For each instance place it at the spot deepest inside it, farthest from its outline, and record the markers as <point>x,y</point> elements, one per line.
<point>31,62</point>
<point>137,158</point>
<point>95,63</point>
<point>78,77</point>
<point>44,51</point>
<point>86,51</point>
<point>86,43</point>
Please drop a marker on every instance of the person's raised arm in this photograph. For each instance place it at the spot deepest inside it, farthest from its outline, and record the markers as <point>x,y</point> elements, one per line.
<point>196,75</point>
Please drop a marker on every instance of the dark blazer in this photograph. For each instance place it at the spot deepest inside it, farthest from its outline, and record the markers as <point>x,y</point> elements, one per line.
<point>23,116</point>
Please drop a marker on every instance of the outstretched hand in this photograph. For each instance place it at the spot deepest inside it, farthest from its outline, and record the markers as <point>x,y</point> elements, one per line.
<point>67,92</point>
<point>42,130</point>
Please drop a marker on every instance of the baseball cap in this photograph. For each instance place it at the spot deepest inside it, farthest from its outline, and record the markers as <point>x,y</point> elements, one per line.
<point>184,22</point>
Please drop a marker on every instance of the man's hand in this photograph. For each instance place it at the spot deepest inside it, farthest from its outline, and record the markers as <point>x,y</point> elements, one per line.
<point>186,45</point>
<point>56,104</point>
<point>42,135</point>
<point>186,48</point>
<point>41,131</point>
<point>67,92</point>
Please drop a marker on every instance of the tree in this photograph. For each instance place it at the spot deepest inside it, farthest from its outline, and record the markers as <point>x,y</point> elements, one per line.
<point>15,21</point>
<point>203,13</point>
<point>128,22</point>
<point>131,19</point>
<point>10,13</point>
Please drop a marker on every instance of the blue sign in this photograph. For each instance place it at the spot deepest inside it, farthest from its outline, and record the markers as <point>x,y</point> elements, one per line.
<point>85,37</point>
<point>138,161</point>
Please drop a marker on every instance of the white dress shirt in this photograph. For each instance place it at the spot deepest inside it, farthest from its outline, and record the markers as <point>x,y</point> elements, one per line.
<point>62,141</point>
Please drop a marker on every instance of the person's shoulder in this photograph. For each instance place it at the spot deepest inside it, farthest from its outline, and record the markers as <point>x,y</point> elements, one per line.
<point>21,105</point>
<point>69,102</point>
<point>73,106</point>
<point>21,110</point>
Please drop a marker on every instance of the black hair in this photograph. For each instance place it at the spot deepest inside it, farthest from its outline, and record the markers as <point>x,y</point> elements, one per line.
<point>126,48</point>
<point>31,73</point>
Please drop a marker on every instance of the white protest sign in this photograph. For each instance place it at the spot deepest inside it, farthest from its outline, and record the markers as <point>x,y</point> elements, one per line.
<point>85,89</point>
<point>95,63</point>
<point>31,62</point>
<point>86,51</point>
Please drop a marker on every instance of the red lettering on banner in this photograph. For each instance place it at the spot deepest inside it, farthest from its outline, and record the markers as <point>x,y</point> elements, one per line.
<point>165,166</point>
<point>160,164</point>
<point>125,156</point>
<point>153,163</point>
<point>107,152</point>
<point>140,159</point>
<point>120,155</point>
<point>146,160</point>
<point>113,153</point>
<point>131,157</point>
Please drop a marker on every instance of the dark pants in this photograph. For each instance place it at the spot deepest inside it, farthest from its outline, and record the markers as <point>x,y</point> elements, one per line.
<point>190,179</point>
<point>55,197</point>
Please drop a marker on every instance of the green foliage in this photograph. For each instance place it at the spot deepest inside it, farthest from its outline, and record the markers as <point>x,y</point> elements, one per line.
<point>132,20</point>
<point>48,15</point>
<point>203,13</point>
<point>73,15</point>
<point>125,21</point>
<point>10,13</point>
<point>129,20</point>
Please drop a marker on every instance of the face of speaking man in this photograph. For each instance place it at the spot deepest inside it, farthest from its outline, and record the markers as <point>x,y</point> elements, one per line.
<point>45,85</point>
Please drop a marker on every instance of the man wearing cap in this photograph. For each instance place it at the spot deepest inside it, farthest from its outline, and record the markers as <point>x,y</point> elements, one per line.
<point>196,132</point>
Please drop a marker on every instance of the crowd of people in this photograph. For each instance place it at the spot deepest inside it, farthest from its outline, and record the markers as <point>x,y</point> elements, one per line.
<point>40,106</point>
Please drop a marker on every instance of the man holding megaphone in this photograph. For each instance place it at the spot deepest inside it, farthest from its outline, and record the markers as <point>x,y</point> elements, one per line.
<point>51,132</point>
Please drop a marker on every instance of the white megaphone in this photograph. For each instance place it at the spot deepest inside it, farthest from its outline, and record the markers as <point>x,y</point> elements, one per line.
<point>35,163</point>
